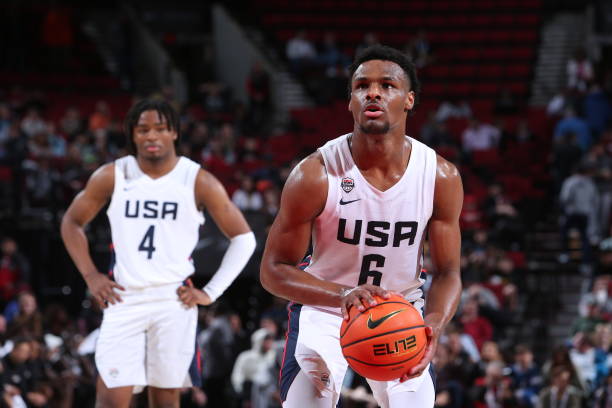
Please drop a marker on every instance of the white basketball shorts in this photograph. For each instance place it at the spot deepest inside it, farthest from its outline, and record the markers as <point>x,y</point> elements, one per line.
<point>313,356</point>
<point>148,339</point>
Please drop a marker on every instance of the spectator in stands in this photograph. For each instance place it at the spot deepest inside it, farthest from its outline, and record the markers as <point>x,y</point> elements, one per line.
<point>566,155</point>
<point>603,395</point>
<point>14,270</point>
<point>526,376</point>
<point>420,50</point>
<point>479,136</point>
<point>100,117</point>
<point>586,323</point>
<point>478,327</point>
<point>494,389</point>
<point>247,198</point>
<point>301,53</point>
<point>27,321</point>
<point>258,91</point>
<point>503,217</point>
<point>560,393</point>
<point>571,123</point>
<point>599,296</point>
<point>33,123</point>
<point>369,39</point>
<point>71,123</point>
<point>461,364</point>
<point>57,36</point>
<point>489,352</point>
<point>579,71</point>
<point>579,200</point>
<point>215,99</point>
<point>434,133</point>
<point>5,125</point>
<point>584,358</point>
<point>559,103</point>
<point>453,108</point>
<point>217,345</point>
<point>597,110</point>
<point>560,358</point>
<point>251,375</point>
<point>331,58</point>
<point>18,374</point>
<point>449,392</point>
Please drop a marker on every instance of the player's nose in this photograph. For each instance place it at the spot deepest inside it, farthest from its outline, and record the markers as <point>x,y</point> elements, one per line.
<point>373,92</point>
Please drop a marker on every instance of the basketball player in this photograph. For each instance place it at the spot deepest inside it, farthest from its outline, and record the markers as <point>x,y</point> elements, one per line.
<point>147,337</point>
<point>367,199</point>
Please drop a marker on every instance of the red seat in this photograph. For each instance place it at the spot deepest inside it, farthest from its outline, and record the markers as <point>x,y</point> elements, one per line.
<point>490,71</point>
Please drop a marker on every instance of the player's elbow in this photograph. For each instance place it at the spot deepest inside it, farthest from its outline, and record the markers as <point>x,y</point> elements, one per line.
<point>270,278</point>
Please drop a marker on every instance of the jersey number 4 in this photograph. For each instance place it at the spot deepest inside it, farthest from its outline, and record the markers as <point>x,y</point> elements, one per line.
<point>146,244</point>
<point>366,272</point>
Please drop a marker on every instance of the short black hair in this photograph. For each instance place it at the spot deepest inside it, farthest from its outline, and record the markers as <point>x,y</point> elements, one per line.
<point>386,53</point>
<point>163,109</point>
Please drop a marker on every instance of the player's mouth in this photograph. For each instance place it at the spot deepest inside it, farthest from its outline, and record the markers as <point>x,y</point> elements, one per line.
<point>373,111</point>
<point>152,148</point>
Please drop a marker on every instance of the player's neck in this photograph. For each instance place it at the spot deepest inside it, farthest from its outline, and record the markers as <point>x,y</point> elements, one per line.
<point>385,151</point>
<point>158,167</point>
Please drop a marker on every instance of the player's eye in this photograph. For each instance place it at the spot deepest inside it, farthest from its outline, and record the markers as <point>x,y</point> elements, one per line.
<point>387,85</point>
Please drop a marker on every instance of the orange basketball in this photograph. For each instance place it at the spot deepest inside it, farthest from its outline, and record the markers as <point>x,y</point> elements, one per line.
<point>385,341</point>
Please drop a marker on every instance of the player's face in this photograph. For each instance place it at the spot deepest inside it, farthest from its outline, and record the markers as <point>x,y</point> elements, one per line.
<point>380,96</point>
<point>153,137</point>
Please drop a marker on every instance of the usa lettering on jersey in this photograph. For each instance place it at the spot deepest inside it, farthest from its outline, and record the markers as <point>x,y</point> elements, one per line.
<point>151,209</point>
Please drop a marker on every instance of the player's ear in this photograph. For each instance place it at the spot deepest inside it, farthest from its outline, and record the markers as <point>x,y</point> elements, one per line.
<point>409,101</point>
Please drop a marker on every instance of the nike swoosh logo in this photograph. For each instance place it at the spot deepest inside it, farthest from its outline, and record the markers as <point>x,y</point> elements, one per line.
<point>372,324</point>
<point>342,202</point>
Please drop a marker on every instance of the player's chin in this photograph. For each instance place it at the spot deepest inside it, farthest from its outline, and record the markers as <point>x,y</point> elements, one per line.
<point>375,127</point>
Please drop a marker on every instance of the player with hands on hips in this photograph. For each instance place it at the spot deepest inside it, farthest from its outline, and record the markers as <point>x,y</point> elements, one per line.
<point>155,203</point>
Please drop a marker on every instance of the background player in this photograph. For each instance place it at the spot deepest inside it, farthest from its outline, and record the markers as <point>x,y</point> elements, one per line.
<point>147,335</point>
<point>367,199</point>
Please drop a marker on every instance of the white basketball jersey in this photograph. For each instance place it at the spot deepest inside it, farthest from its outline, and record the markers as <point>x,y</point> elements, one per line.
<point>154,224</point>
<point>365,235</point>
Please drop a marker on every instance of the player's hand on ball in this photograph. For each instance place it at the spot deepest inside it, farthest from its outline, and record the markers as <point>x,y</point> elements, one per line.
<point>361,297</point>
<point>103,289</point>
<point>430,352</point>
<point>191,296</point>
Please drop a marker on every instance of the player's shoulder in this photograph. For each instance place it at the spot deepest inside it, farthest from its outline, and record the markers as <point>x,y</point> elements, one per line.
<point>102,180</point>
<point>104,173</point>
<point>311,170</point>
<point>445,170</point>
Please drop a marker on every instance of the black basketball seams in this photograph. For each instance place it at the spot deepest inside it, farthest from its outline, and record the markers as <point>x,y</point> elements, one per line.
<point>382,334</point>
<point>388,364</point>
<point>365,311</point>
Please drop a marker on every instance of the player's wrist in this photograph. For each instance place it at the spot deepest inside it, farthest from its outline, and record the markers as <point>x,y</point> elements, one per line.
<point>344,292</point>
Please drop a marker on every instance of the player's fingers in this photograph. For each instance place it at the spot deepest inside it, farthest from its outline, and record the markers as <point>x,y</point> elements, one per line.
<point>113,296</point>
<point>378,291</point>
<point>368,300</point>
<point>189,283</point>
<point>116,285</point>
<point>101,302</point>
<point>344,310</point>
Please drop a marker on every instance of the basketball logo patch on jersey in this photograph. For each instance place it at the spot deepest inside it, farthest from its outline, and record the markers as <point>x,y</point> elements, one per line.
<point>347,184</point>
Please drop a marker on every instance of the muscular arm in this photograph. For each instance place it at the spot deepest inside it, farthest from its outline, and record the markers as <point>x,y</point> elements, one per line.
<point>85,206</point>
<point>303,199</point>
<point>445,246</point>
<point>211,194</point>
